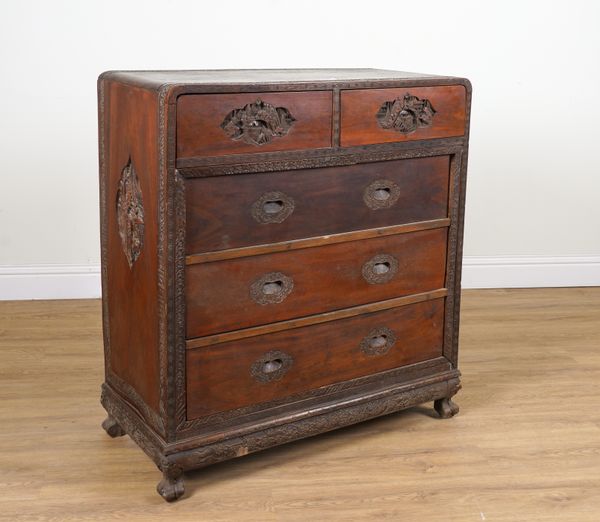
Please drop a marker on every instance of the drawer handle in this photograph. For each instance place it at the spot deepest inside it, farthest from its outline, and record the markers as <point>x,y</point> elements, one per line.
<point>257,123</point>
<point>378,341</point>
<point>271,288</point>
<point>380,269</point>
<point>272,207</point>
<point>271,366</point>
<point>381,193</point>
<point>406,114</point>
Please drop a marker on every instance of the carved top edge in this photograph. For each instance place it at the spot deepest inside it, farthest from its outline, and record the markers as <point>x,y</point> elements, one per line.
<point>184,82</point>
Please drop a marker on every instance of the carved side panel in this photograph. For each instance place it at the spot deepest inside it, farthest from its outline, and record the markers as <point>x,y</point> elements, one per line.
<point>257,123</point>
<point>406,114</point>
<point>130,213</point>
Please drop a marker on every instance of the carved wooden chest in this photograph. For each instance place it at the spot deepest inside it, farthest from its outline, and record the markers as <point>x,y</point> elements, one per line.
<point>281,254</point>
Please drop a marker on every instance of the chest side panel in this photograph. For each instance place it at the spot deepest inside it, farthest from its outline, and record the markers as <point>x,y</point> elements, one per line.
<point>129,219</point>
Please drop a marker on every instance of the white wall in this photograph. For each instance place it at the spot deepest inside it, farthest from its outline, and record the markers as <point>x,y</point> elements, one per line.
<point>533,212</point>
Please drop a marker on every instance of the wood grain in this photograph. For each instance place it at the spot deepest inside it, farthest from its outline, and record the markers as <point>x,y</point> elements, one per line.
<point>199,342</point>
<point>525,446</point>
<point>218,295</point>
<point>310,242</point>
<point>325,201</point>
<point>220,377</point>
<point>199,119</point>
<point>359,126</point>
<point>132,294</point>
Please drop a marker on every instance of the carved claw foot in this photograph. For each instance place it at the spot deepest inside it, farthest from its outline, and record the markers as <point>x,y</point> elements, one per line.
<point>111,427</point>
<point>171,487</point>
<point>446,408</point>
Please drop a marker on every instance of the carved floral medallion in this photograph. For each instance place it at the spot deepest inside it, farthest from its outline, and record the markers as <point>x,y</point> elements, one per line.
<point>406,114</point>
<point>130,213</point>
<point>257,123</point>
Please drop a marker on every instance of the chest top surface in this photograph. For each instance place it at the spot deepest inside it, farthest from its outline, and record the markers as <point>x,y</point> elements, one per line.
<point>263,76</point>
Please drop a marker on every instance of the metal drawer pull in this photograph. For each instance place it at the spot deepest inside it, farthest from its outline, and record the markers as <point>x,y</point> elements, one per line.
<point>378,341</point>
<point>380,269</point>
<point>272,207</point>
<point>271,288</point>
<point>381,193</point>
<point>271,366</point>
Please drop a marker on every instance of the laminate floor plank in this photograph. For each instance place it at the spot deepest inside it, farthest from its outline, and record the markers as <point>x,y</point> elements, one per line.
<point>525,446</point>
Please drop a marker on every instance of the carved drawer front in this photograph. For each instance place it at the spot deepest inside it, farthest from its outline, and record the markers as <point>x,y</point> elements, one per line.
<point>221,124</point>
<point>237,211</point>
<point>404,114</point>
<point>264,368</point>
<point>239,293</point>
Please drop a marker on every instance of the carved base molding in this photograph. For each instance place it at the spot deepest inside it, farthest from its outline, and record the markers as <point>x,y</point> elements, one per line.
<point>351,410</point>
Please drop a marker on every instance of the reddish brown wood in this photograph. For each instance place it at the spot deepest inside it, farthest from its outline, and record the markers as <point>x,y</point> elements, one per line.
<point>359,125</point>
<point>220,377</point>
<point>199,120</point>
<point>218,295</point>
<point>198,342</point>
<point>311,242</point>
<point>147,285</point>
<point>326,201</point>
<point>132,299</point>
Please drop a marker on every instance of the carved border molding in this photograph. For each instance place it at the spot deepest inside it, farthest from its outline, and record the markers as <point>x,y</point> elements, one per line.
<point>386,401</point>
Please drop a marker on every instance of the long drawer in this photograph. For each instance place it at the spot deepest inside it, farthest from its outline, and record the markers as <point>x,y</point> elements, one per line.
<point>235,374</point>
<point>239,293</point>
<point>236,211</point>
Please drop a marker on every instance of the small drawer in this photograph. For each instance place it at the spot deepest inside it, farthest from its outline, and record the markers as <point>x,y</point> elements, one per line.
<point>259,369</point>
<point>410,113</point>
<point>237,211</point>
<point>238,293</point>
<point>221,124</point>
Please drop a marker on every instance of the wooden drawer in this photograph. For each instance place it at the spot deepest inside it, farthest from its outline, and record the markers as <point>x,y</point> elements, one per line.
<point>259,369</point>
<point>236,211</point>
<point>239,293</point>
<point>220,124</point>
<point>409,113</point>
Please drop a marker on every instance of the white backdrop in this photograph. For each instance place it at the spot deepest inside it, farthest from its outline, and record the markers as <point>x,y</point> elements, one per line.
<point>533,208</point>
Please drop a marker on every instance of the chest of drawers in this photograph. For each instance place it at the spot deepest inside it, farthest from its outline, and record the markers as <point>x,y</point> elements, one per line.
<point>281,254</point>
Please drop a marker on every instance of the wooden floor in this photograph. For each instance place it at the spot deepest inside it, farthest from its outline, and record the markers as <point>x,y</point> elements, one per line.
<point>525,447</point>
